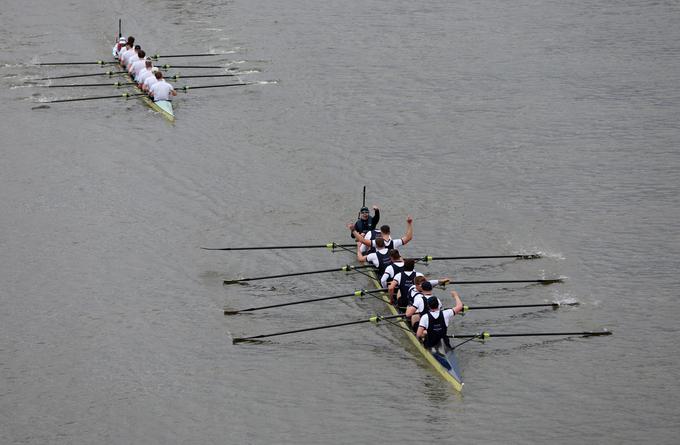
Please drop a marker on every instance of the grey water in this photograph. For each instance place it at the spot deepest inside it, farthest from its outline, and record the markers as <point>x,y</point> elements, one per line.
<point>502,127</point>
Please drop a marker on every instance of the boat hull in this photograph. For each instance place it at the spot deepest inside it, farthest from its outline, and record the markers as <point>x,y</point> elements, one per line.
<point>445,364</point>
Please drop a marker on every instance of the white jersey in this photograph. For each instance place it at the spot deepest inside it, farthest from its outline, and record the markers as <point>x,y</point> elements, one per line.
<point>389,272</point>
<point>121,53</point>
<point>419,302</point>
<point>143,74</point>
<point>373,258</point>
<point>396,243</point>
<point>368,236</point>
<point>448,315</point>
<point>150,81</point>
<point>128,55</point>
<point>161,90</point>
<point>412,291</point>
<point>138,66</point>
<point>131,60</point>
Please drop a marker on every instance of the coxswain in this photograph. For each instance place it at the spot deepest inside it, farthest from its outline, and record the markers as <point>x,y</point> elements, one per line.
<point>118,47</point>
<point>366,223</point>
<point>380,259</point>
<point>432,328</point>
<point>161,90</point>
<point>144,72</point>
<point>396,266</point>
<point>385,235</point>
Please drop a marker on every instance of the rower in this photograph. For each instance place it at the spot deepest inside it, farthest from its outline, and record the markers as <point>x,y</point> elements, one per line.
<point>409,283</point>
<point>417,296</point>
<point>149,81</point>
<point>129,43</point>
<point>385,234</point>
<point>131,57</point>
<point>138,64</point>
<point>396,266</point>
<point>402,281</point>
<point>433,325</point>
<point>161,90</point>
<point>118,47</point>
<point>145,72</point>
<point>379,259</point>
<point>366,223</point>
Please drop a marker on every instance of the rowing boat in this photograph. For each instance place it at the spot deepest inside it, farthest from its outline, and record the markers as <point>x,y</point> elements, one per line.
<point>164,107</point>
<point>445,364</point>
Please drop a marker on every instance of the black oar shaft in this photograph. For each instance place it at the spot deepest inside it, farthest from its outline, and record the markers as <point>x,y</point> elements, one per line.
<point>549,281</point>
<point>163,56</point>
<point>196,76</point>
<point>119,96</point>
<point>314,246</point>
<point>482,257</point>
<point>115,84</point>
<point>347,268</point>
<point>108,73</point>
<point>533,334</point>
<point>97,62</point>
<point>200,87</point>
<point>515,306</point>
<point>311,300</point>
<point>167,66</point>
<point>375,319</point>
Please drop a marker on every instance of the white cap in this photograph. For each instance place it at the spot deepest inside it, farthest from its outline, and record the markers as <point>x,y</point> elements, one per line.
<point>122,40</point>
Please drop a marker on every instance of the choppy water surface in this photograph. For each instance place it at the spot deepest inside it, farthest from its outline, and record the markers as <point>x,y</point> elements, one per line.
<point>526,127</point>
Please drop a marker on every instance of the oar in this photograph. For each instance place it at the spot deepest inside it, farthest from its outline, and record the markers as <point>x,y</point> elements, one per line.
<point>108,73</point>
<point>548,281</point>
<point>159,56</point>
<point>484,335</point>
<point>177,76</point>
<point>114,84</point>
<point>358,293</point>
<point>346,268</point>
<point>374,319</point>
<point>515,306</point>
<point>168,66</point>
<point>313,246</point>
<point>530,256</point>
<point>124,95</point>
<point>187,87</point>
<point>97,62</point>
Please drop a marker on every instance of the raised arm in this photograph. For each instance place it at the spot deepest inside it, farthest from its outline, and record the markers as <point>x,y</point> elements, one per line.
<point>409,230</point>
<point>459,304</point>
<point>376,217</point>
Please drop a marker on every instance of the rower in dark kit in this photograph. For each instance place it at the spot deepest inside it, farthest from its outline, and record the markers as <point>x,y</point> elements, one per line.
<point>380,258</point>
<point>433,326</point>
<point>396,266</point>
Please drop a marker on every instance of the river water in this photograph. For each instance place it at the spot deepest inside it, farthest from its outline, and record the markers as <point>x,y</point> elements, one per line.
<point>502,127</point>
